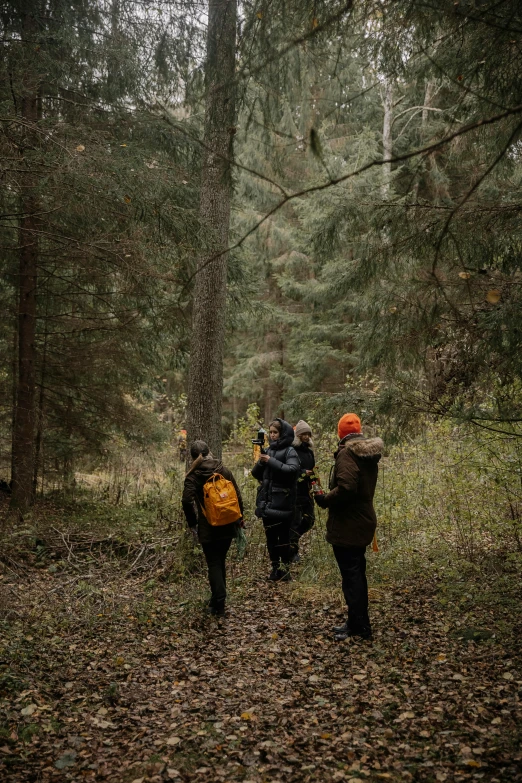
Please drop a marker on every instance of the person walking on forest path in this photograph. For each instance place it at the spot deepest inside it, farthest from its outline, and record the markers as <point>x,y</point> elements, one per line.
<point>277,472</point>
<point>182,445</point>
<point>351,518</point>
<point>215,540</point>
<point>304,518</point>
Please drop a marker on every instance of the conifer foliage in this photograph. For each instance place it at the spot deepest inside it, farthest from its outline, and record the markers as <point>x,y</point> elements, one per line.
<point>98,220</point>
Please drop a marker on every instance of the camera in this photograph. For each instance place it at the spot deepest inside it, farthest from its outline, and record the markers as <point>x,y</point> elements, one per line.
<point>260,440</point>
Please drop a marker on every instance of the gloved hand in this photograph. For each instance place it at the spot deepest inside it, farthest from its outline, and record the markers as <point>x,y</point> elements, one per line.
<point>320,501</point>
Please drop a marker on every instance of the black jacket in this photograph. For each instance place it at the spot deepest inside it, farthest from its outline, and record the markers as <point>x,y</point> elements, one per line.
<point>192,499</point>
<point>276,496</point>
<point>307,460</point>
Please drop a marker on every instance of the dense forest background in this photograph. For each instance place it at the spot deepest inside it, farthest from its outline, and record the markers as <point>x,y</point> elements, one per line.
<point>211,214</point>
<point>373,166</point>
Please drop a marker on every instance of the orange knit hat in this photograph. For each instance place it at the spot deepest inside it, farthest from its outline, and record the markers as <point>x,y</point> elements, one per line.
<point>348,423</point>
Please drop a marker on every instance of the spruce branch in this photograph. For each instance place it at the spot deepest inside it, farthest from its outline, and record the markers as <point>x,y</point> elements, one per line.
<point>465,129</point>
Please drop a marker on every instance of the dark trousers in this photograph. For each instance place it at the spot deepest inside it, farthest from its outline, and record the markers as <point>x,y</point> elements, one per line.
<point>352,565</point>
<point>216,554</point>
<point>277,532</point>
<point>302,522</point>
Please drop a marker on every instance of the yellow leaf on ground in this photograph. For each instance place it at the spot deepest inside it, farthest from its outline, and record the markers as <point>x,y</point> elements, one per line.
<point>493,296</point>
<point>80,148</point>
<point>465,275</point>
<point>246,716</point>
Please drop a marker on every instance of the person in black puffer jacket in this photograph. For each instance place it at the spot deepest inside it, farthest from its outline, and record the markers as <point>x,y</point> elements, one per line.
<point>276,497</point>
<point>304,518</point>
<point>215,541</point>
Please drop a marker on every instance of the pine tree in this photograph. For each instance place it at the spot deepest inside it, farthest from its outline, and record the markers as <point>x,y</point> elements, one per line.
<point>210,288</point>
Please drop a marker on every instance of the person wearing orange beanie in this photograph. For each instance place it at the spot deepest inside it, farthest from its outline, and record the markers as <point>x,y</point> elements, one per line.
<point>351,518</point>
<point>348,424</point>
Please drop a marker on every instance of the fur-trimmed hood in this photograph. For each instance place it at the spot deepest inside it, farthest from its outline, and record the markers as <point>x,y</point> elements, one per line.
<point>364,448</point>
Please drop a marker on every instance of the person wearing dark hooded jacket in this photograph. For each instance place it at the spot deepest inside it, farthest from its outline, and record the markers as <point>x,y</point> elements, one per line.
<point>215,541</point>
<point>277,472</point>
<point>304,518</point>
<point>351,518</point>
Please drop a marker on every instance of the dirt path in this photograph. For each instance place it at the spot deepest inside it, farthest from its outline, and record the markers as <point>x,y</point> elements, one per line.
<point>263,696</point>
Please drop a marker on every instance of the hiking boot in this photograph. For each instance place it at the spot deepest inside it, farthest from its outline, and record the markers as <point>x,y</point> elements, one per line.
<point>215,611</point>
<point>340,628</point>
<point>284,575</point>
<point>347,633</point>
<point>296,558</point>
<point>274,575</point>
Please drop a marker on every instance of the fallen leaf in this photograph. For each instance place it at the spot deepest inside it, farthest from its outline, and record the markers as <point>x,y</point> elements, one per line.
<point>80,148</point>
<point>30,709</point>
<point>67,760</point>
<point>493,296</point>
<point>465,275</point>
<point>173,740</point>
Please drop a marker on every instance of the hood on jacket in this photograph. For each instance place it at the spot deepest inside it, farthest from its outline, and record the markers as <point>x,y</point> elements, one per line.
<point>364,448</point>
<point>285,439</point>
<point>205,466</point>
<point>298,443</point>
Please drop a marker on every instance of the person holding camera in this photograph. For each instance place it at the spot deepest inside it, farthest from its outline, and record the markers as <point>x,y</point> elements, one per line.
<point>304,518</point>
<point>215,541</point>
<point>351,518</point>
<point>277,471</point>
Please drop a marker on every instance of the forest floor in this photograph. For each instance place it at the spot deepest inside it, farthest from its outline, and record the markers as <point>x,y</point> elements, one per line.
<point>139,685</point>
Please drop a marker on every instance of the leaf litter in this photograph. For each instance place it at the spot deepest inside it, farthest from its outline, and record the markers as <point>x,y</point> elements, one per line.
<point>149,689</point>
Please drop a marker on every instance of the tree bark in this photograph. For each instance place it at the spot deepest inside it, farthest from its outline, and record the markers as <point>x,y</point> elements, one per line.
<point>24,422</point>
<point>205,388</point>
<point>387,140</point>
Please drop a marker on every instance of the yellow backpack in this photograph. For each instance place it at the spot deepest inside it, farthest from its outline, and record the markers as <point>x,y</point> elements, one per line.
<point>221,506</point>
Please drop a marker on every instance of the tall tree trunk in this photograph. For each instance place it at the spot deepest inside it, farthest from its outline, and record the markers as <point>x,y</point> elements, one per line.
<point>23,433</point>
<point>387,141</point>
<point>205,389</point>
<point>41,402</point>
